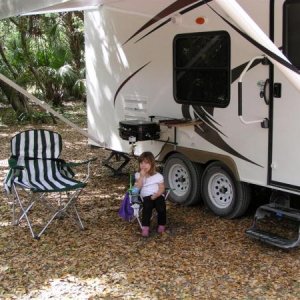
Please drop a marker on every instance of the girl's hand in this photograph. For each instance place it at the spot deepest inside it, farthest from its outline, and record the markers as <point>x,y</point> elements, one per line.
<point>139,183</point>
<point>143,173</point>
<point>161,189</point>
<point>144,168</point>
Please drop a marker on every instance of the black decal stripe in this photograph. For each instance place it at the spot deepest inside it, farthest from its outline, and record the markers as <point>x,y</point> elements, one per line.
<point>169,20</point>
<point>185,111</point>
<point>210,110</point>
<point>258,45</point>
<point>194,6</point>
<point>177,5</point>
<point>199,113</point>
<point>211,136</point>
<point>154,29</point>
<point>207,114</point>
<point>209,124</point>
<point>214,138</point>
<point>126,80</point>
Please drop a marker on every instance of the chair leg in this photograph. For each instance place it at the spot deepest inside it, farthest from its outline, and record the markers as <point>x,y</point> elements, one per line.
<point>78,217</point>
<point>137,212</point>
<point>63,211</point>
<point>14,199</point>
<point>63,208</point>
<point>24,211</point>
<point>140,223</point>
<point>72,203</point>
<point>47,224</point>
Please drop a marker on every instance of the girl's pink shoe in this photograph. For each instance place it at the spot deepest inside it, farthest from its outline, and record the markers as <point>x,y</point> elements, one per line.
<point>161,229</point>
<point>145,231</point>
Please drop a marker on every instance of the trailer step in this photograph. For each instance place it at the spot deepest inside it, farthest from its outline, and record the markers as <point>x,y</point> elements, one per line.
<point>272,239</point>
<point>272,222</point>
<point>278,211</point>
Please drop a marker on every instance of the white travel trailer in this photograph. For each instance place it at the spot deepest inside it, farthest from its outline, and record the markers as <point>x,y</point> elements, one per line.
<point>235,98</point>
<point>211,87</point>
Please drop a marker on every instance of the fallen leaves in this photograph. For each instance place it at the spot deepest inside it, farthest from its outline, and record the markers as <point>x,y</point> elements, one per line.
<point>200,256</point>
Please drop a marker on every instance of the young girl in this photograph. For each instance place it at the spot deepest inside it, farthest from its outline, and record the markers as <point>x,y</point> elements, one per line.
<point>151,185</point>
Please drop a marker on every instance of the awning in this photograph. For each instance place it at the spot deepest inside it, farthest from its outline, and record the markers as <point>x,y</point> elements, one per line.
<point>71,5</point>
<point>10,8</point>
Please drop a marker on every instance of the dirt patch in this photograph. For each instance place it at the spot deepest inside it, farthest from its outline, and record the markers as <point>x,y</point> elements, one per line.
<point>200,257</point>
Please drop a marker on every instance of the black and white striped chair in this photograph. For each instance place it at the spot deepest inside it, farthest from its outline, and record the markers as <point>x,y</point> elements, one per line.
<point>35,167</point>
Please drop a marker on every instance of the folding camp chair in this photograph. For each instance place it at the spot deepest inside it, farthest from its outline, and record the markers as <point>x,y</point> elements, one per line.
<point>38,175</point>
<point>136,201</point>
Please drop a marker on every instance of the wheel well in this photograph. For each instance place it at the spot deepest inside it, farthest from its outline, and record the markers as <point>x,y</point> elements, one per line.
<point>204,158</point>
<point>168,155</point>
<point>228,168</point>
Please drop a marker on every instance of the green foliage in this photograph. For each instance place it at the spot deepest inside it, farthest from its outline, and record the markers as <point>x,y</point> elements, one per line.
<point>35,117</point>
<point>43,54</point>
<point>79,89</point>
<point>10,117</point>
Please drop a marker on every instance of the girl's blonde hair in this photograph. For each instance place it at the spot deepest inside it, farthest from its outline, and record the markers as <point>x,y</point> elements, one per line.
<point>149,158</point>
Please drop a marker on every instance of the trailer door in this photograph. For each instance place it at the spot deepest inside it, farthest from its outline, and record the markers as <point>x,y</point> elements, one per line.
<point>285,107</point>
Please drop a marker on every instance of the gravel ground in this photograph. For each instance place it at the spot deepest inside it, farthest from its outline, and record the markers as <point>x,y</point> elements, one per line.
<point>200,256</point>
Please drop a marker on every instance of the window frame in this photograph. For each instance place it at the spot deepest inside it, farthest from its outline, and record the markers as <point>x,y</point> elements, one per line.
<point>227,68</point>
<point>286,29</point>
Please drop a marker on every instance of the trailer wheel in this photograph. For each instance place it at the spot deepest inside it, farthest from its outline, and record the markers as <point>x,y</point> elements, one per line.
<point>183,177</point>
<point>222,193</point>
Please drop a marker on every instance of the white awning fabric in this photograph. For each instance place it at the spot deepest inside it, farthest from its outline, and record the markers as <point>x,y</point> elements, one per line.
<point>10,8</point>
<point>71,5</point>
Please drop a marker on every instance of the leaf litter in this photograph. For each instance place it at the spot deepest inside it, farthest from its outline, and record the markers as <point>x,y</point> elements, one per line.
<point>201,256</point>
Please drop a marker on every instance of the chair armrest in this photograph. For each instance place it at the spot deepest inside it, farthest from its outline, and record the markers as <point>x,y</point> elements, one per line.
<point>13,164</point>
<point>167,192</point>
<point>14,172</point>
<point>75,164</point>
<point>86,162</point>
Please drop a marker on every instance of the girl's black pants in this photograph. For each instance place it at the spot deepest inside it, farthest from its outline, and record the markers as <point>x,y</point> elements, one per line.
<point>160,205</point>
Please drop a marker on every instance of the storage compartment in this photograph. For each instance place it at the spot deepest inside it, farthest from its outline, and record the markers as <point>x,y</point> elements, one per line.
<point>141,130</point>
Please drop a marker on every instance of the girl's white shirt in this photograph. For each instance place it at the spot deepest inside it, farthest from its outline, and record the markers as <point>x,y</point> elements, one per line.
<point>150,184</point>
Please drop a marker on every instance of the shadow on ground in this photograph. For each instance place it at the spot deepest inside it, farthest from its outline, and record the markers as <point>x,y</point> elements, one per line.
<point>200,257</point>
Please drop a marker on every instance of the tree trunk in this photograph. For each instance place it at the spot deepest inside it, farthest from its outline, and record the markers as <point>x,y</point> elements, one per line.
<point>75,38</point>
<point>16,100</point>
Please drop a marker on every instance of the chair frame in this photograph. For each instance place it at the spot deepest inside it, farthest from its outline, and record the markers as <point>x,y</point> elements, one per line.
<point>64,204</point>
<point>138,206</point>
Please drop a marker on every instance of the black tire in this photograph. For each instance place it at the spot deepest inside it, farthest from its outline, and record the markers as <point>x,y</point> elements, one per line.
<point>222,193</point>
<point>183,177</point>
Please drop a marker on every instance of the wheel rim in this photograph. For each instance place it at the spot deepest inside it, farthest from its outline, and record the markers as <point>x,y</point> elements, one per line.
<point>179,179</point>
<point>220,190</point>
